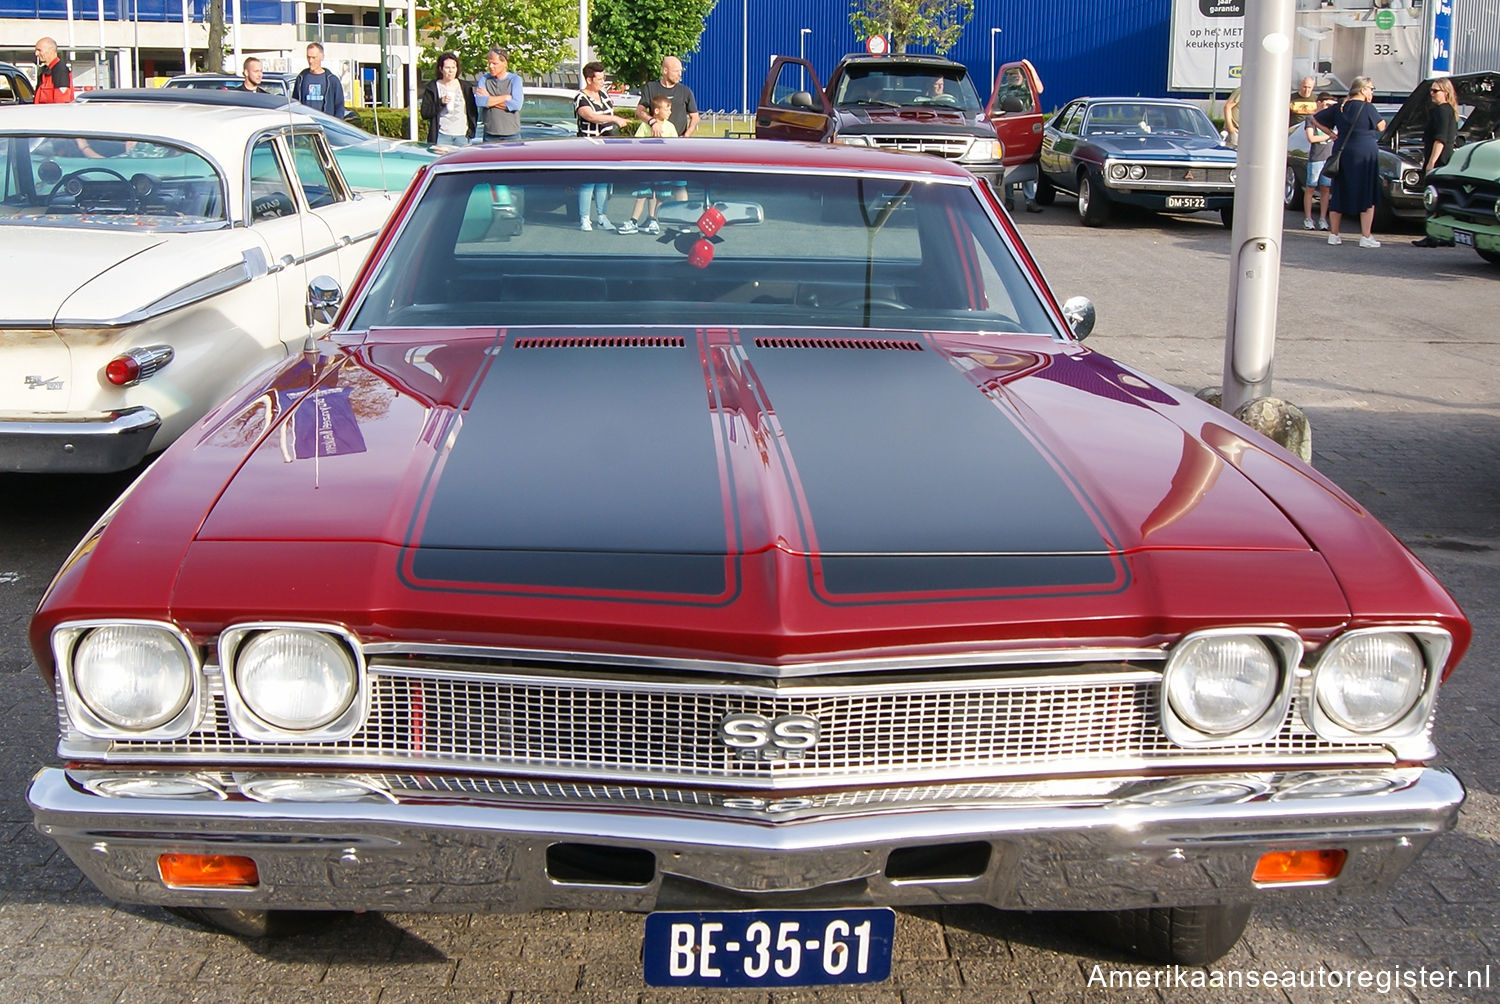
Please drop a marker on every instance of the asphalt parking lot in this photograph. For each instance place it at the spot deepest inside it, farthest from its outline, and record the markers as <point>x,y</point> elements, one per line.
<point>1392,352</point>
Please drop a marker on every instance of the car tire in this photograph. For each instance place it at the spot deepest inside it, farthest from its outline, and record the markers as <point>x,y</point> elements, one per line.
<point>249,923</point>
<point>1045,193</point>
<point>1093,202</point>
<point>1177,935</point>
<point>1493,257</point>
<point>1291,196</point>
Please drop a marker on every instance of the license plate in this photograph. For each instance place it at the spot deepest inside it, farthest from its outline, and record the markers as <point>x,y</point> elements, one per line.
<point>1186,202</point>
<point>1463,237</point>
<point>779,948</point>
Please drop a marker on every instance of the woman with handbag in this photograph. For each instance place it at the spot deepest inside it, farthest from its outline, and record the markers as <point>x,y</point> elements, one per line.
<point>1355,162</point>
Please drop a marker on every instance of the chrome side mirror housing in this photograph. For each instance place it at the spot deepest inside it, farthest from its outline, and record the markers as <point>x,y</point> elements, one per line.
<point>1080,315</point>
<point>324,297</point>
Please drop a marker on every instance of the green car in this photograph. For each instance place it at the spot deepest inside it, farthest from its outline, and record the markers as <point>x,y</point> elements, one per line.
<point>1463,200</point>
<point>368,162</point>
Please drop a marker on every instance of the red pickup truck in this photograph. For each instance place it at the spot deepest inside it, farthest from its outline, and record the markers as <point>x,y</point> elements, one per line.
<point>910,102</point>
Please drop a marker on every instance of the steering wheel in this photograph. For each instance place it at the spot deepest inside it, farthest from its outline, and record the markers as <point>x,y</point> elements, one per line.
<point>135,200</point>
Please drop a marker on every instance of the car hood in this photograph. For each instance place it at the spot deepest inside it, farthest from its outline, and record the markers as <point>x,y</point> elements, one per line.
<point>875,118</point>
<point>1159,147</point>
<point>792,479</point>
<point>1480,161</point>
<point>1480,91</point>
<point>103,277</point>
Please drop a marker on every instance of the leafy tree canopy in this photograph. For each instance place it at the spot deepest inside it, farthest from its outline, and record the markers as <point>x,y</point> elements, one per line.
<point>632,36</point>
<point>536,33</point>
<point>937,23</point>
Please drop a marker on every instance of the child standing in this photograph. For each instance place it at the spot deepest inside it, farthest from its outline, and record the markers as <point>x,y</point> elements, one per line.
<point>661,114</point>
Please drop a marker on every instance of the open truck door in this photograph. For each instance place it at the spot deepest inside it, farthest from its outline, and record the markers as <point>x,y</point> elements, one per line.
<point>1015,109</point>
<point>792,103</point>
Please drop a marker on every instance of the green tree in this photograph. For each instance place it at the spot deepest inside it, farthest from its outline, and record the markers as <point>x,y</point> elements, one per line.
<point>632,36</point>
<point>937,23</point>
<point>536,33</point>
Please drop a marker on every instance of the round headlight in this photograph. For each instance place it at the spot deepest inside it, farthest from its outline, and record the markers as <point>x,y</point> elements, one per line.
<point>1118,171</point>
<point>1137,172</point>
<point>1411,178</point>
<point>1370,681</point>
<point>1497,209</point>
<point>1233,173</point>
<point>133,676</point>
<point>1222,684</point>
<point>295,679</point>
<point>1429,197</point>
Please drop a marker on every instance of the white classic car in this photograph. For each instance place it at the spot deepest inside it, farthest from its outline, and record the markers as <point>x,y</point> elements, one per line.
<point>156,254</point>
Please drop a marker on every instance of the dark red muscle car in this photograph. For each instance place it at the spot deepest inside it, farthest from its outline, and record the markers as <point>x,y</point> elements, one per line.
<point>785,566</point>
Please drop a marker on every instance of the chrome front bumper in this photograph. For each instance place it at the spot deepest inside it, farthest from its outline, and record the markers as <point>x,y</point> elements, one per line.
<point>76,442</point>
<point>1143,842</point>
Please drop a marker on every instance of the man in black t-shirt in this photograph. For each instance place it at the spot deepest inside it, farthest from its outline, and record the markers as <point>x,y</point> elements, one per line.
<point>684,107</point>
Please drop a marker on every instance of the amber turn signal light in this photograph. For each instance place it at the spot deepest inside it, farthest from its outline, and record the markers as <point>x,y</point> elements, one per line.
<point>207,870</point>
<point>1299,866</point>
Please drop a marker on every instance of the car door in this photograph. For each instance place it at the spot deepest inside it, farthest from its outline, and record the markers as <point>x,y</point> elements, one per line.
<point>1015,109</point>
<point>1059,139</point>
<point>792,103</point>
<point>353,220</point>
<point>299,244</point>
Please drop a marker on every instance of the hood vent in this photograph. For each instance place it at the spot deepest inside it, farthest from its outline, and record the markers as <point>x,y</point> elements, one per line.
<point>904,345</point>
<point>604,342</point>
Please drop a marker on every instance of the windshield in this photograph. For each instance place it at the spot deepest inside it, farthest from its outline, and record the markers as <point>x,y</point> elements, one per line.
<point>549,108</point>
<point>493,247</point>
<point>898,87</point>
<point>106,181</point>
<point>1140,119</point>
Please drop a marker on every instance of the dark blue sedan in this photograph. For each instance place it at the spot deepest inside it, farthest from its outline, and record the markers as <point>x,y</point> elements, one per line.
<point>1157,153</point>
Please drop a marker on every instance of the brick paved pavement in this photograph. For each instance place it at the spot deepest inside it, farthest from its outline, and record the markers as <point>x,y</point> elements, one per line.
<point>1392,353</point>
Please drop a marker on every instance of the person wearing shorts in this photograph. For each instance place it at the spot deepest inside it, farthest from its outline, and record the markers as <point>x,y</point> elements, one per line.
<point>1320,147</point>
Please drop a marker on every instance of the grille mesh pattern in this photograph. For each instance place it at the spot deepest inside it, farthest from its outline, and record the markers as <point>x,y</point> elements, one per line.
<point>609,729</point>
<point>949,147</point>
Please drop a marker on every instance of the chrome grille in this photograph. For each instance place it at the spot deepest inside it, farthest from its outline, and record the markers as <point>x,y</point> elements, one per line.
<point>951,147</point>
<point>563,726</point>
<point>1466,200</point>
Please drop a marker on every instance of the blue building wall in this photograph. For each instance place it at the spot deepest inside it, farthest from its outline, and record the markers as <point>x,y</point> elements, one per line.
<point>1079,46</point>
<point>251,11</point>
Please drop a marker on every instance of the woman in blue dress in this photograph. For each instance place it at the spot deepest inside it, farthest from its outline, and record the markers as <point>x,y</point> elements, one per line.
<point>1357,185</point>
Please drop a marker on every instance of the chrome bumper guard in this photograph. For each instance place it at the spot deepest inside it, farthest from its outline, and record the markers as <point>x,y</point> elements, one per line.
<point>74,442</point>
<point>1136,842</point>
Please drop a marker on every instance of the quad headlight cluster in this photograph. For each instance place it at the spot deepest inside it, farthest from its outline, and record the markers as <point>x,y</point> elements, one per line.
<point>1232,686</point>
<point>282,682</point>
<point>1134,172</point>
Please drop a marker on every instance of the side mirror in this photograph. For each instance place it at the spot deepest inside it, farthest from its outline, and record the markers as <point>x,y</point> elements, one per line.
<point>1080,315</point>
<point>802,99</point>
<point>324,297</point>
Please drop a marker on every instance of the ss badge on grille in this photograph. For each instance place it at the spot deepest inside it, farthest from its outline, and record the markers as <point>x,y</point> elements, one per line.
<point>755,737</point>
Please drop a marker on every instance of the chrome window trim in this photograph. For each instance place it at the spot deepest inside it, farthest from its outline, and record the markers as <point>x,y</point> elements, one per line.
<point>1286,644</point>
<point>244,720</point>
<point>65,639</point>
<point>1061,334</point>
<point>1435,645</point>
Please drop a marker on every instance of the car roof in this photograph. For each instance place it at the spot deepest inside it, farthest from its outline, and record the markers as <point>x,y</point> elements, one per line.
<point>903,59</point>
<point>821,158</point>
<point>219,130</point>
<point>188,79</point>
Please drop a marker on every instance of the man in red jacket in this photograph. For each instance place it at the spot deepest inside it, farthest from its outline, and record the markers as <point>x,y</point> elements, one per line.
<point>54,81</point>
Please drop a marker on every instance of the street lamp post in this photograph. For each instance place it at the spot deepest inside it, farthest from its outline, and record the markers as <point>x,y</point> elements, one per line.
<point>383,92</point>
<point>993,33</point>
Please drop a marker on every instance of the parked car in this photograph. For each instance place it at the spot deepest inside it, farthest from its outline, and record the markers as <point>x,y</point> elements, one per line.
<point>1157,153</point>
<point>15,85</point>
<point>1400,195</point>
<point>369,163</point>
<point>271,81</point>
<point>158,254</point>
<point>1463,200</point>
<point>787,566</point>
<point>546,113</point>
<point>904,101</point>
